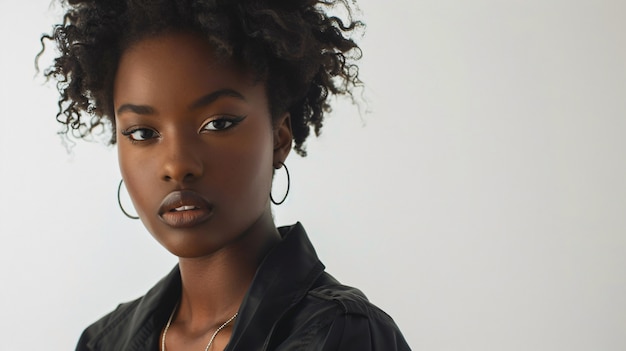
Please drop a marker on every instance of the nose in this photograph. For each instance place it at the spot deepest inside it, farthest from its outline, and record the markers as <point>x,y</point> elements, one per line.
<point>181,161</point>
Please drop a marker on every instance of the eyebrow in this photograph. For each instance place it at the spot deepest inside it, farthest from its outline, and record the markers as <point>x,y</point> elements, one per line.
<point>138,109</point>
<point>208,99</point>
<point>201,102</point>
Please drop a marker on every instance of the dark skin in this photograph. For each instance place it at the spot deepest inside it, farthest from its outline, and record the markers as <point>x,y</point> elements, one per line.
<point>197,131</point>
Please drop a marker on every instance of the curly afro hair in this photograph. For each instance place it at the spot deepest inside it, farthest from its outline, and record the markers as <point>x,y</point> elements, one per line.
<point>301,53</point>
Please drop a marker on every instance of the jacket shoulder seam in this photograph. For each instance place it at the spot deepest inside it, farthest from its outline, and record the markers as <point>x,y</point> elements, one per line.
<point>350,300</point>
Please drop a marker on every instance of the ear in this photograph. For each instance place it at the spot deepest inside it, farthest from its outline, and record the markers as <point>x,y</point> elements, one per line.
<point>283,137</point>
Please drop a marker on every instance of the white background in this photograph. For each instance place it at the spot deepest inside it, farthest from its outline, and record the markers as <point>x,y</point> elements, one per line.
<point>481,201</point>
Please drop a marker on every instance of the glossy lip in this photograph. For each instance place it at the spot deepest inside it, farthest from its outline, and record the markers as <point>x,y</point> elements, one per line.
<point>202,209</point>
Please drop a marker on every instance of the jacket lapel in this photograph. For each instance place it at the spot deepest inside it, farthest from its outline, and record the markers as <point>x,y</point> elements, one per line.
<point>152,313</point>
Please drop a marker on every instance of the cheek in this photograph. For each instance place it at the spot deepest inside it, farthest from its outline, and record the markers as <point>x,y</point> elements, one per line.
<point>250,171</point>
<point>137,173</point>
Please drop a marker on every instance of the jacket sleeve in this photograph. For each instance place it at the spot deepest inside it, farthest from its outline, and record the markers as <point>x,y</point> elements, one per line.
<point>364,333</point>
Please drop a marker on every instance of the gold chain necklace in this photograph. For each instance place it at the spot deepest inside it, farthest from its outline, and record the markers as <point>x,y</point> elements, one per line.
<point>169,321</point>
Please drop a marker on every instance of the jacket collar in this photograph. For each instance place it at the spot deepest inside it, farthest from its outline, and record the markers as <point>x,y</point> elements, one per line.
<point>282,280</point>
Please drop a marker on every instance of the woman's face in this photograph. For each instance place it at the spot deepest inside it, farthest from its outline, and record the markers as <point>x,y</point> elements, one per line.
<point>196,144</point>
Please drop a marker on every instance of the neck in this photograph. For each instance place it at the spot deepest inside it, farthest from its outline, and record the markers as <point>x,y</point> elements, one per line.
<point>214,287</point>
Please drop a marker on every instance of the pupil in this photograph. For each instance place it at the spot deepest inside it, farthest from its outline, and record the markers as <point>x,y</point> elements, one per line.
<point>219,124</point>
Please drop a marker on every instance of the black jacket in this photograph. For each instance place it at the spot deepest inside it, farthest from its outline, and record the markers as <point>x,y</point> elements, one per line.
<point>292,304</point>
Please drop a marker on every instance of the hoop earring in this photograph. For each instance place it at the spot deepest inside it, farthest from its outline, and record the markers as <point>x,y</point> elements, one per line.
<point>288,184</point>
<point>119,202</point>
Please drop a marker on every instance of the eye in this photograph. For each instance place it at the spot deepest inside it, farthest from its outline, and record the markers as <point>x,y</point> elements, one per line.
<point>140,134</point>
<point>223,123</point>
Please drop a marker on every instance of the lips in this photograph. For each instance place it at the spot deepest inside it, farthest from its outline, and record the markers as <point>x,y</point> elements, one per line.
<point>184,209</point>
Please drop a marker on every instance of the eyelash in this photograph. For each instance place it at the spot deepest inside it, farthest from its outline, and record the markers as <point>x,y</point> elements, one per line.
<point>233,120</point>
<point>129,134</point>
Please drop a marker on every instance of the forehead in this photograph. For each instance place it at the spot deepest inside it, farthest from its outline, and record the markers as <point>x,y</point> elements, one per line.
<point>175,66</point>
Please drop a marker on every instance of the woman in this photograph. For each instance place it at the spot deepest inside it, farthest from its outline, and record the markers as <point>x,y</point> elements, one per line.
<point>205,99</point>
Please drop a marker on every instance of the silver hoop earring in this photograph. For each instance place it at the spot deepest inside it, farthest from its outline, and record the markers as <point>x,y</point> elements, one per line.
<point>288,185</point>
<point>119,201</point>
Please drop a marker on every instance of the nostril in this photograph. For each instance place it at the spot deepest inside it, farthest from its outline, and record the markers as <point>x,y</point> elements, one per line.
<point>186,178</point>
